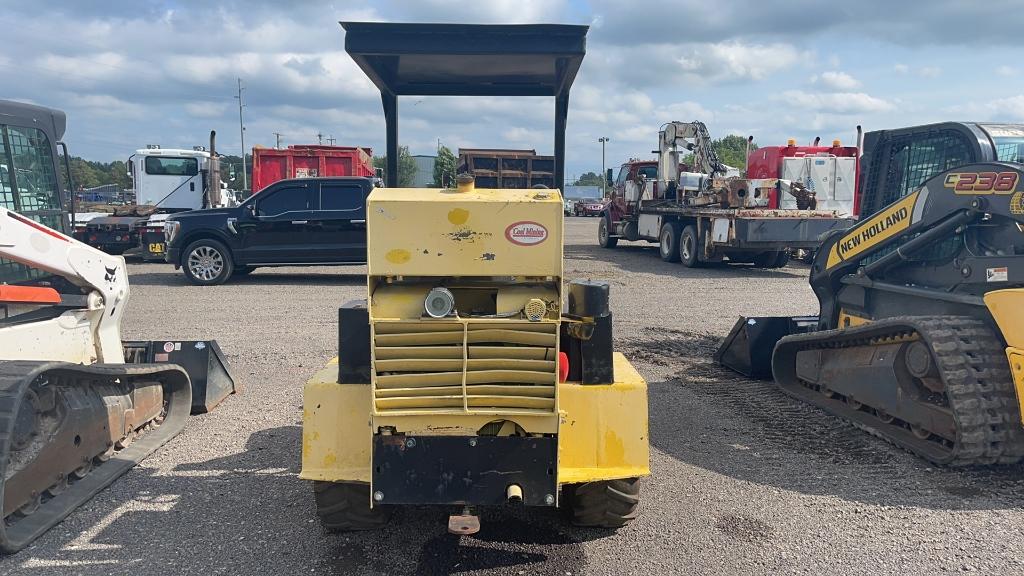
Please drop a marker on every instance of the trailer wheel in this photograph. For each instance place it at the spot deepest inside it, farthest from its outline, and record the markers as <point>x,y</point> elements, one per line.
<point>782,259</point>
<point>771,259</point>
<point>689,247</point>
<point>207,262</point>
<point>345,507</point>
<point>606,504</point>
<point>604,234</point>
<point>669,242</point>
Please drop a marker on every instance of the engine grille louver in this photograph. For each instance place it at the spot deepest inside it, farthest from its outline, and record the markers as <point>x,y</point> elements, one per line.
<point>499,367</point>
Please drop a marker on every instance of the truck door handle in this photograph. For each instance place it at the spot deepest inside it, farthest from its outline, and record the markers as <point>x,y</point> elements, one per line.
<point>358,221</point>
<point>300,221</point>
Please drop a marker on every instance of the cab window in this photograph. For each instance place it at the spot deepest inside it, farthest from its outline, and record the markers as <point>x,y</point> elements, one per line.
<point>623,175</point>
<point>283,200</point>
<point>171,166</point>
<point>649,172</point>
<point>347,197</point>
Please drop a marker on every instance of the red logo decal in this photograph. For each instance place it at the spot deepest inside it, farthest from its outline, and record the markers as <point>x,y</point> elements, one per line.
<point>526,233</point>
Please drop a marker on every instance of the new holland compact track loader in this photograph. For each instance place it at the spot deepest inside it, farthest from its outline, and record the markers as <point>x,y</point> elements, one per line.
<point>473,375</point>
<point>78,407</point>
<point>920,334</point>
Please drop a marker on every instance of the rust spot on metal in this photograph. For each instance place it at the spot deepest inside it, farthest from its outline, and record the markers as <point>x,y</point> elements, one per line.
<point>467,235</point>
<point>458,216</point>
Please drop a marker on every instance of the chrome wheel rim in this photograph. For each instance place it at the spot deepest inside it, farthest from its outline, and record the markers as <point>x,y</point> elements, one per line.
<point>602,231</point>
<point>686,247</point>
<point>205,263</point>
<point>666,239</point>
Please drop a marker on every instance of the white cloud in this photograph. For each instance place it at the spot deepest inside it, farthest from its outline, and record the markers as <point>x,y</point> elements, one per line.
<point>836,102</point>
<point>1007,71</point>
<point>730,61</point>
<point>929,71</point>
<point>901,68</point>
<point>836,80</point>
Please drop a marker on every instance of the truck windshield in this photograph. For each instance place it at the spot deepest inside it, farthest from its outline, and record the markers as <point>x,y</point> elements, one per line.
<point>1010,149</point>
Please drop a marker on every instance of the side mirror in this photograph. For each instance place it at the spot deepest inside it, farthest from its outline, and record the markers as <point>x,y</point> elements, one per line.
<point>608,177</point>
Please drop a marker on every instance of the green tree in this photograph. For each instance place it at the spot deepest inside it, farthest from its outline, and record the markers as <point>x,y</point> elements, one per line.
<point>589,179</point>
<point>731,150</point>
<point>406,167</point>
<point>444,168</point>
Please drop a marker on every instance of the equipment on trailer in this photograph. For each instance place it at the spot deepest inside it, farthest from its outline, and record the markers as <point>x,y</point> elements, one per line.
<point>471,376</point>
<point>918,339</point>
<point>701,216</point>
<point>829,173</point>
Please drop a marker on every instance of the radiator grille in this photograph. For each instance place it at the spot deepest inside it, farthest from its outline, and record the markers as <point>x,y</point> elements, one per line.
<point>499,367</point>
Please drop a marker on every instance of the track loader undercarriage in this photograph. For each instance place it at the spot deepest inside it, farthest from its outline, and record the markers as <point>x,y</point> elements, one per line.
<point>67,431</point>
<point>918,322</point>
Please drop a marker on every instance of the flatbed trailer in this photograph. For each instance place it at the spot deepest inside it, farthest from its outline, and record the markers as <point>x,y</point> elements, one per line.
<point>702,235</point>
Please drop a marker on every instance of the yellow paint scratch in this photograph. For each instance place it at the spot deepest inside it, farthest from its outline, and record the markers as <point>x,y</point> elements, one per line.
<point>398,256</point>
<point>458,216</point>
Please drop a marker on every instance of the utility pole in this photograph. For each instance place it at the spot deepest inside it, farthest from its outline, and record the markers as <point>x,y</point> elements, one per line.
<point>319,138</point>
<point>604,178</point>
<point>241,132</point>
<point>331,140</point>
<point>278,136</point>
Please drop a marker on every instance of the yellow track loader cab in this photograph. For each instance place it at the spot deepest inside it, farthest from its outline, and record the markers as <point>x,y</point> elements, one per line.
<point>473,374</point>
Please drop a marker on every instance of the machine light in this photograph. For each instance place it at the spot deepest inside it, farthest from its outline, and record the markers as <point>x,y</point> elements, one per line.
<point>439,302</point>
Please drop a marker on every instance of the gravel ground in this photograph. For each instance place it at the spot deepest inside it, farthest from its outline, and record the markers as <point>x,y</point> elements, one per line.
<point>745,480</point>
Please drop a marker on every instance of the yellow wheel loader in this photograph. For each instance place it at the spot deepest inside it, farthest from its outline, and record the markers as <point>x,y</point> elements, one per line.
<point>78,407</point>
<point>920,334</point>
<point>472,374</point>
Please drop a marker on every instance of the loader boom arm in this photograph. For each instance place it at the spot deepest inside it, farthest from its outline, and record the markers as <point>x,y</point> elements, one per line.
<point>106,277</point>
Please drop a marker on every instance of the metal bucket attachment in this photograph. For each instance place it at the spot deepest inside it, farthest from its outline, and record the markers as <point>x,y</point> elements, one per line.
<point>203,360</point>
<point>748,347</point>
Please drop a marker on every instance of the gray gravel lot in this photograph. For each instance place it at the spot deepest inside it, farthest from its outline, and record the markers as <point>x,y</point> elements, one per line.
<point>745,480</point>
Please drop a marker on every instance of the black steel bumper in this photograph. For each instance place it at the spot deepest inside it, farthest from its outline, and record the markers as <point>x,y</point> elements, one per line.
<point>464,470</point>
<point>785,232</point>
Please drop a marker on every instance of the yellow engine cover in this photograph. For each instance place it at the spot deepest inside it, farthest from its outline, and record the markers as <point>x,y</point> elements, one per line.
<point>480,232</point>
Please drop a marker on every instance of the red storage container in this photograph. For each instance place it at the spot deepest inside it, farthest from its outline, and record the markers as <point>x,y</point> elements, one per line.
<point>308,161</point>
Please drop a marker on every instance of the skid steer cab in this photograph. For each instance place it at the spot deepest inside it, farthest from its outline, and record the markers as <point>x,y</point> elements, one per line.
<point>468,378</point>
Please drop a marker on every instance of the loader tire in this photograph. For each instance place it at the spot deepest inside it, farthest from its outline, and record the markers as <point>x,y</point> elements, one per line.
<point>345,507</point>
<point>605,504</point>
<point>773,259</point>
<point>604,233</point>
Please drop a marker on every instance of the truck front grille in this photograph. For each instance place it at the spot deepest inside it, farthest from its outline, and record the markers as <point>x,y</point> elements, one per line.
<point>491,367</point>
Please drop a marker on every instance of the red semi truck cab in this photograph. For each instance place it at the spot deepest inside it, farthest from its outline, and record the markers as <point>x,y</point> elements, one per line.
<point>308,161</point>
<point>830,171</point>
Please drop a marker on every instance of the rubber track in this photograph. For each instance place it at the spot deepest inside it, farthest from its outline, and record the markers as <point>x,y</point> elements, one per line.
<point>971,361</point>
<point>16,376</point>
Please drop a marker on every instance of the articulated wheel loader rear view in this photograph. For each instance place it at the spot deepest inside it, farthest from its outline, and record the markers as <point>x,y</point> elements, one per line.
<point>472,375</point>
<point>920,334</point>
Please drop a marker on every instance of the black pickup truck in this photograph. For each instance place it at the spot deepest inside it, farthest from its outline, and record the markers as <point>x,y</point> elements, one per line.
<point>298,222</point>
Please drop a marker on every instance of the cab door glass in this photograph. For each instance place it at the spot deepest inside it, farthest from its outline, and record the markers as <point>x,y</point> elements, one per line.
<point>284,200</point>
<point>342,198</point>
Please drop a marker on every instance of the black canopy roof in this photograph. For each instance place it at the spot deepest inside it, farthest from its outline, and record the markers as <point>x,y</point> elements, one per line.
<point>468,60</point>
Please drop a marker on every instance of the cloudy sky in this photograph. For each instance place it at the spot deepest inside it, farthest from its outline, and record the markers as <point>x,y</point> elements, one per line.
<point>134,72</point>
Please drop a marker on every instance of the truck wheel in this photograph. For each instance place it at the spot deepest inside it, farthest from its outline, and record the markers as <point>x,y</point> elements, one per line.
<point>689,247</point>
<point>766,259</point>
<point>344,507</point>
<point>669,242</point>
<point>207,263</point>
<point>604,234</point>
<point>606,504</point>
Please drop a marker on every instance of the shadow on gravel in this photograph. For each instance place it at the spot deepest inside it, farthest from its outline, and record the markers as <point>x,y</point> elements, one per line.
<point>259,277</point>
<point>711,417</point>
<point>249,513</point>
<point>643,257</point>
